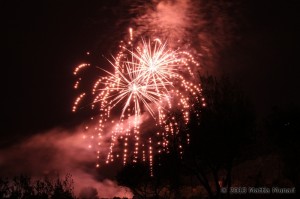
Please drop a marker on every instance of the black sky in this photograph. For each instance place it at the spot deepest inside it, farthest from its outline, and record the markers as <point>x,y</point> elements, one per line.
<point>44,40</point>
<point>265,59</point>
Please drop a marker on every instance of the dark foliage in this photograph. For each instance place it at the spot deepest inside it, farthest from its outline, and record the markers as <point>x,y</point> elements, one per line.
<point>220,134</point>
<point>283,127</point>
<point>23,187</point>
<point>137,178</point>
<point>166,181</point>
<point>88,193</point>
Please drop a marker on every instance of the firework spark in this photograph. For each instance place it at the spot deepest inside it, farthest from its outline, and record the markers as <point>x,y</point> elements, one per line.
<point>148,78</point>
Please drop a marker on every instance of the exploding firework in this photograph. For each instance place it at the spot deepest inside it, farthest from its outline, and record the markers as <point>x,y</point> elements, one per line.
<point>149,82</point>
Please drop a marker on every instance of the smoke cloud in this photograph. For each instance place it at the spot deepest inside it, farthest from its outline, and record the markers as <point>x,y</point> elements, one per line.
<point>168,19</point>
<point>204,28</point>
<point>60,151</point>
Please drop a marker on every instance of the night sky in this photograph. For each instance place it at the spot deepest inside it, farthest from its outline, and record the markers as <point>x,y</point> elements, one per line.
<point>42,42</point>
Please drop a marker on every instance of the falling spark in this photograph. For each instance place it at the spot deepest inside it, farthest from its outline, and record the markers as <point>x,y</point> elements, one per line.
<point>79,67</point>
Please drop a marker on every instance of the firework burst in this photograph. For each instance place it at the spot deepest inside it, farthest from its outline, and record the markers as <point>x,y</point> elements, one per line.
<point>148,79</point>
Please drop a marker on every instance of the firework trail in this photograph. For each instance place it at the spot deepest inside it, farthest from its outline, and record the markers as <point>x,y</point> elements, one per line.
<point>153,80</point>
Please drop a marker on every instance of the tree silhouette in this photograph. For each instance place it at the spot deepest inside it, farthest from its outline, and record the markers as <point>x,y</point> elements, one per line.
<point>165,182</point>
<point>4,187</point>
<point>136,176</point>
<point>88,193</point>
<point>63,188</point>
<point>22,187</point>
<point>219,135</point>
<point>284,126</point>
